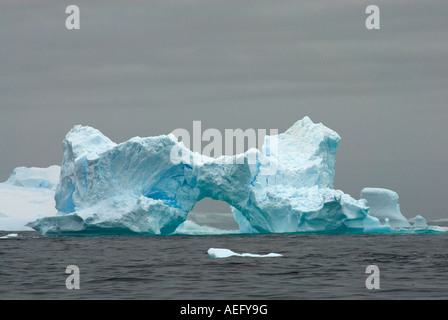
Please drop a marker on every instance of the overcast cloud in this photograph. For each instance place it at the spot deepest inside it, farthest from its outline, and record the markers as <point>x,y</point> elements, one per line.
<point>148,67</point>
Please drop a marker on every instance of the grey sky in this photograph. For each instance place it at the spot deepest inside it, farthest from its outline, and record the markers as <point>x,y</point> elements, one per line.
<point>147,67</point>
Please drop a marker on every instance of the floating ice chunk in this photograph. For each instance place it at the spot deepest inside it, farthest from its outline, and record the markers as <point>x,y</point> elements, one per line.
<point>420,222</point>
<point>383,204</point>
<point>11,235</point>
<point>225,253</point>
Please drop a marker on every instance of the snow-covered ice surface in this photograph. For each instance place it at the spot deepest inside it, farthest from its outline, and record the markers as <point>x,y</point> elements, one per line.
<point>135,188</point>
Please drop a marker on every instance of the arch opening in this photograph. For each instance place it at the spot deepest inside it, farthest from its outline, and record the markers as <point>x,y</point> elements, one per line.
<point>213,213</point>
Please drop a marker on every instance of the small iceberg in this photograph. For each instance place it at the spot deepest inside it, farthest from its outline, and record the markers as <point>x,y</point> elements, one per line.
<point>215,253</point>
<point>420,222</point>
<point>11,235</point>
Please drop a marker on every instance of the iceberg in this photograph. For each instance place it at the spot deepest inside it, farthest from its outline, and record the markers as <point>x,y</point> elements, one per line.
<point>9,236</point>
<point>33,177</point>
<point>135,187</point>
<point>420,222</point>
<point>27,194</point>
<point>383,204</point>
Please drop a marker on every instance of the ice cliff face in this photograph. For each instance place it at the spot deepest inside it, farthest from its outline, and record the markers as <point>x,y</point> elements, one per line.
<point>136,187</point>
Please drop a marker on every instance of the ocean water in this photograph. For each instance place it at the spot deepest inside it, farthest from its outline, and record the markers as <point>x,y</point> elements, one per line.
<point>177,267</point>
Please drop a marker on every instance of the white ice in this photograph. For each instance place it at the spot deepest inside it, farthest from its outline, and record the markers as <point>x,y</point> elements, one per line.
<point>383,204</point>
<point>33,177</point>
<point>9,236</point>
<point>24,198</point>
<point>420,222</point>
<point>225,253</point>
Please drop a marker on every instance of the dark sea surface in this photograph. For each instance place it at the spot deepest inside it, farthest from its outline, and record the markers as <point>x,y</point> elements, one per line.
<point>178,267</point>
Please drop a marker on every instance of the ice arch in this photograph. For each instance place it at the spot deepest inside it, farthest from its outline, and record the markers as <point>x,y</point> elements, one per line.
<point>136,187</point>
<point>213,213</point>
